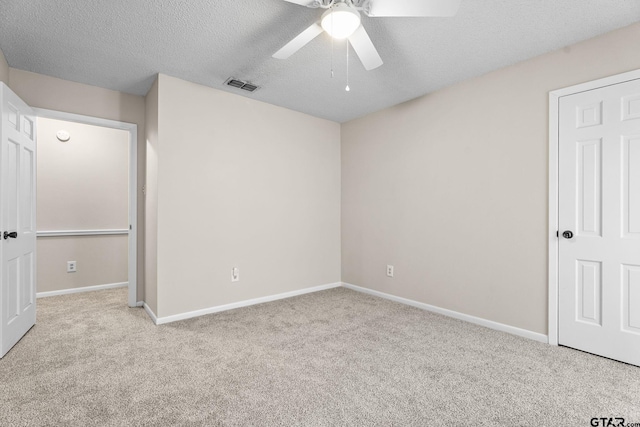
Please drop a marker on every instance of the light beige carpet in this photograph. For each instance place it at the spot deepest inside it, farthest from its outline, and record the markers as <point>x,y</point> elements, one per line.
<point>331,358</point>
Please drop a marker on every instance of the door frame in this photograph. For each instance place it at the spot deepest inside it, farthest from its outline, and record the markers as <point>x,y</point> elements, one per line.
<point>554,171</point>
<point>133,183</point>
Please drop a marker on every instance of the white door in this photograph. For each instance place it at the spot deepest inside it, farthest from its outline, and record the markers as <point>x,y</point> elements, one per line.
<point>17,219</point>
<point>599,219</point>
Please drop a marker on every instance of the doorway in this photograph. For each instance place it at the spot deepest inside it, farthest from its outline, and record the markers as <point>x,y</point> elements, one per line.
<point>594,217</point>
<point>103,228</point>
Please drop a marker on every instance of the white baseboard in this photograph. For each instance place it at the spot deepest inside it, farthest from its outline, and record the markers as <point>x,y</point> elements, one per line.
<point>246,303</point>
<point>85,289</point>
<point>150,312</point>
<point>456,315</point>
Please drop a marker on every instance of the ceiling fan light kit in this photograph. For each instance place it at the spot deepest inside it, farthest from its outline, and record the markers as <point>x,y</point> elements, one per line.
<point>340,21</point>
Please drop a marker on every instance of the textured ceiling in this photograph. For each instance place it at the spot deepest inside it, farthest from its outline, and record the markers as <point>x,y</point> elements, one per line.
<point>122,44</point>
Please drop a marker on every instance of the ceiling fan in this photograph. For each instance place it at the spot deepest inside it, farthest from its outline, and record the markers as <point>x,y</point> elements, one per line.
<point>342,20</point>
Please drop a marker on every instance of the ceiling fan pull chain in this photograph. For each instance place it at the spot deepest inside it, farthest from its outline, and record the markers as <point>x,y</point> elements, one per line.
<point>331,48</point>
<point>347,88</point>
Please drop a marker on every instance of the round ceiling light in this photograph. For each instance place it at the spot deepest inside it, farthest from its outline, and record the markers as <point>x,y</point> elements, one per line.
<point>340,21</point>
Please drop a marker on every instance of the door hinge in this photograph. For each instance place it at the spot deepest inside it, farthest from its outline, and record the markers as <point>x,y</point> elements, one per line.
<point>557,233</point>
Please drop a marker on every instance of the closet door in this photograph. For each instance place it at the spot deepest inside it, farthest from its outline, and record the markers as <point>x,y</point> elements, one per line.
<point>599,217</point>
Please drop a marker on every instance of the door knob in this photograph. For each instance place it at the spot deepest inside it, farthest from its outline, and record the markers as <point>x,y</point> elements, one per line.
<point>13,235</point>
<point>567,234</point>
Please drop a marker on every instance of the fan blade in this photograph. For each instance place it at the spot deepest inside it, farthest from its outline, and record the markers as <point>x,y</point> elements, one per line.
<point>298,42</point>
<point>365,49</point>
<point>414,8</point>
<point>307,3</point>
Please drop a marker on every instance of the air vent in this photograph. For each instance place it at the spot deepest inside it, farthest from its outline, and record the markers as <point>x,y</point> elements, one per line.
<point>235,83</point>
<point>249,87</point>
<point>241,84</point>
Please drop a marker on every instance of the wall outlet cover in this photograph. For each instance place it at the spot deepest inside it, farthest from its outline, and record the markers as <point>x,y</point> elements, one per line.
<point>72,267</point>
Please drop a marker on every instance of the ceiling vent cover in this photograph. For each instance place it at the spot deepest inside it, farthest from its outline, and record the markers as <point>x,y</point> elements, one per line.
<point>241,84</point>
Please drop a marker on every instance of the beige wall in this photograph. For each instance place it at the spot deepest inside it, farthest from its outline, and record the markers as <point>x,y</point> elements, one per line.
<point>451,188</point>
<point>151,222</point>
<point>101,260</point>
<point>83,184</point>
<point>4,69</point>
<point>52,93</point>
<point>246,184</point>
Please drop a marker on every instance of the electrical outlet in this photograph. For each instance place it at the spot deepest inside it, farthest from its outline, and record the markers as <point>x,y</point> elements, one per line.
<point>235,274</point>
<point>390,270</point>
<point>71,267</point>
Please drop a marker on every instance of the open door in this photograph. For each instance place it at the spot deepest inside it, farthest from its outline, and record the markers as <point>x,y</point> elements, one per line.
<point>17,219</point>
